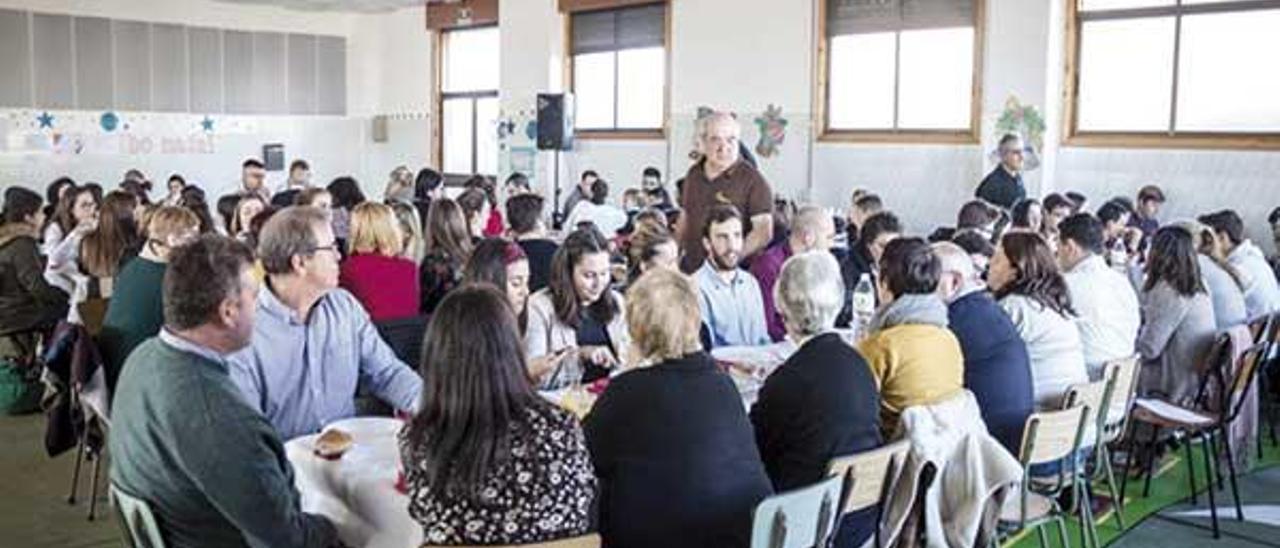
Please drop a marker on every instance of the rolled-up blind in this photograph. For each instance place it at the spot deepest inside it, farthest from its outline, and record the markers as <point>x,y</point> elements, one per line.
<point>625,28</point>
<point>868,16</point>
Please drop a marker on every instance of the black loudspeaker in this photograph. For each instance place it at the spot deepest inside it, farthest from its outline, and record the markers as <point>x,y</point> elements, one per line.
<point>555,121</point>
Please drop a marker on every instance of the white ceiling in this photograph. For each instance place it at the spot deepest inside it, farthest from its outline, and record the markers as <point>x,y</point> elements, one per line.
<point>359,6</point>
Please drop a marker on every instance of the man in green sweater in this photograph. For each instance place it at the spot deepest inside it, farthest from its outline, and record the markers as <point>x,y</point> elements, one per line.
<point>183,439</point>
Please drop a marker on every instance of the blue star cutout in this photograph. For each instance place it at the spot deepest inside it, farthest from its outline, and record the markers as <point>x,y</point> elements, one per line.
<point>207,124</point>
<point>45,119</point>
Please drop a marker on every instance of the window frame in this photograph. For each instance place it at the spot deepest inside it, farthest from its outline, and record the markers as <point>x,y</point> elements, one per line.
<point>822,94</point>
<point>1072,136</point>
<point>617,133</point>
<point>439,96</point>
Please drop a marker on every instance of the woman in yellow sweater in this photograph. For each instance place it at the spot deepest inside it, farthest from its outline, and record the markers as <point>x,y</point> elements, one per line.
<point>915,359</point>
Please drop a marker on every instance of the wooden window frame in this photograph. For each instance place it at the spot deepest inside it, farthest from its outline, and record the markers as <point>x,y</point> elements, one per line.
<point>438,97</point>
<point>624,134</point>
<point>822,95</point>
<point>1072,136</point>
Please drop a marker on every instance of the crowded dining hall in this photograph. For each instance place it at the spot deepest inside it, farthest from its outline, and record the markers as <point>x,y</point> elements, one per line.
<point>639,273</point>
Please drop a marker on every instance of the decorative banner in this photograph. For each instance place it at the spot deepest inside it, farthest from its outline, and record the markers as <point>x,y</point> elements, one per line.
<point>1025,121</point>
<point>109,122</point>
<point>773,131</point>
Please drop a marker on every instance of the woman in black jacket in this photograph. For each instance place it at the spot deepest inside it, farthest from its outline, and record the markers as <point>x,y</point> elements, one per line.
<point>670,442</point>
<point>822,403</point>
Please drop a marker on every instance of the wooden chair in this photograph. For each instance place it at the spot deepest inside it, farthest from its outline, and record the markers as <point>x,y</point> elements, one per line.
<point>870,475</point>
<point>801,518</point>
<point>141,530</point>
<point>1049,437</point>
<point>584,541</point>
<point>1201,424</point>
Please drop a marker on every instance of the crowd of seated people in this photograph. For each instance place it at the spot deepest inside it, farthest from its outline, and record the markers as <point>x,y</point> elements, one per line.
<point>224,339</point>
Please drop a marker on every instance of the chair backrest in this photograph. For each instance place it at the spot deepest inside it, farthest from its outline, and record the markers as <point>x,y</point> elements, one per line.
<point>1245,373</point>
<point>404,336</point>
<point>93,311</point>
<point>871,472</point>
<point>1051,436</point>
<point>584,541</point>
<point>1096,396</point>
<point>139,524</point>
<point>1124,388</point>
<point>801,518</point>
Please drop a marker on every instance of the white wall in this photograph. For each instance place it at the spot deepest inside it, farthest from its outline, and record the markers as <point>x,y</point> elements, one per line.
<point>388,72</point>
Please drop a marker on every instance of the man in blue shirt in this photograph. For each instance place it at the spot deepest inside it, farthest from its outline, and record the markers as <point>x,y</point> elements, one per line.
<point>729,297</point>
<point>313,344</point>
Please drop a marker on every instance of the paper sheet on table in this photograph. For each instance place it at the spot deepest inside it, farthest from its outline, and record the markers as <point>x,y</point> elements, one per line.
<point>1172,412</point>
<point>766,357</point>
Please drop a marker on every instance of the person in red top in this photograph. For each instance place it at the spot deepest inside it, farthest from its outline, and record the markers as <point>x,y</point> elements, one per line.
<point>374,271</point>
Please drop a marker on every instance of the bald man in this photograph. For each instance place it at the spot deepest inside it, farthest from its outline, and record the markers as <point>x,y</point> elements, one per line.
<point>997,368</point>
<point>722,177</point>
<point>813,228</point>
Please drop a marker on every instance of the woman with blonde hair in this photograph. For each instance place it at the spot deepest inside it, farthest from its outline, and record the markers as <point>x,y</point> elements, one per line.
<point>399,186</point>
<point>374,271</point>
<point>671,440</point>
<point>136,311</point>
<point>410,231</point>
<point>448,247</point>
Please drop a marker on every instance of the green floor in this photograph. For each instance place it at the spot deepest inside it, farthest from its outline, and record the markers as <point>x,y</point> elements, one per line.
<point>1167,519</point>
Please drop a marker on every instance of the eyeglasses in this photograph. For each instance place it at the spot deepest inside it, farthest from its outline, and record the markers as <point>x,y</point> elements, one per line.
<point>333,247</point>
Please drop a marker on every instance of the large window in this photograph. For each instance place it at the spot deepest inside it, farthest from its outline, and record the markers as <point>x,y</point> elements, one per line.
<point>619,68</point>
<point>1175,71</point>
<point>901,68</point>
<point>469,101</point>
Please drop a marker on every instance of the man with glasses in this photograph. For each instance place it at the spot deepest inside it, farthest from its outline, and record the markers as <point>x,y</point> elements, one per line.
<point>1003,186</point>
<point>313,344</point>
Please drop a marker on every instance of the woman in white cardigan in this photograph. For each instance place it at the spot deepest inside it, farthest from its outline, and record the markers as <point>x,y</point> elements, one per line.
<point>577,316</point>
<point>1031,290</point>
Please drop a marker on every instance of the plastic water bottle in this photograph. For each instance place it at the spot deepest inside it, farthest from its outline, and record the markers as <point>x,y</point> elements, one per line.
<point>864,304</point>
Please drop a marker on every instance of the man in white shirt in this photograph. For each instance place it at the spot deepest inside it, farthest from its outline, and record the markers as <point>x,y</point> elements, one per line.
<point>1261,290</point>
<point>607,218</point>
<point>1107,311</point>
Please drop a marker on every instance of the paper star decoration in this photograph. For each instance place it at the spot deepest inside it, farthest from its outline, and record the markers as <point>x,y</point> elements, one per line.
<point>45,119</point>
<point>207,124</point>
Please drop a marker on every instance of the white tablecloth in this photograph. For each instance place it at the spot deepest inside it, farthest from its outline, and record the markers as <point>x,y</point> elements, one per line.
<point>357,492</point>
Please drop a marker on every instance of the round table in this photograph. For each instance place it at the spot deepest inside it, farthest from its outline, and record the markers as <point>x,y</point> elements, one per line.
<point>357,492</point>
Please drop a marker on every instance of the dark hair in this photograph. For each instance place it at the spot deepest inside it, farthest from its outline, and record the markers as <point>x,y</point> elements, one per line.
<point>138,189</point>
<point>973,243</point>
<point>236,226</point>
<point>299,164</point>
<point>227,211</point>
<point>489,260</point>
<point>52,192</point>
<point>176,177</point>
<point>427,180</point>
<point>1150,193</point>
<point>258,221</point>
<point>1083,229</point>
<point>1077,199</point>
<point>199,277</point>
<point>474,389</point>
<point>308,195</point>
<point>1111,212</point>
<point>1274,216</point>
<point>1173,260</point>
<point>19,203</point>
<point>1009,138</point>
<point>1037,275</point>
<point>447,234</point>
<point>1226,221</point>
<point>976,214</point>
<point>869,202</point>
<point>485,185</point>
<point>472,201</point>
<point>193,198</point>
<point>599,192</point>
<point>564,296</point>
<point>252,162</point>
<point>651,172</point>
<point>64,214</point>
<point>589,173</point>
<point>720,213</point>
<point>518,179</point>
<point>884,222</point>
<point>96,189</point>
<point>1125,202</point>
<point>346,193</point>
<point>1021,213</point>
<point>116,236</point>
<point>642,246</point>
<point>1055,201</point>
<point>523,212</point>
<point>909,267</point>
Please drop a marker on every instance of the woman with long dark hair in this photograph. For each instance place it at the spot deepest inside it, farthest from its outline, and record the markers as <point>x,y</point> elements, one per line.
<point>1027,215</point>
<point>448,246</point>
<point>577,313</point>
<point>110,245</point>
<point>75,216</point>
<point>1031,290</point>
<point>54,193</point>
<point>194,199</point>
<point>487,460</point>
<point>346,195</point>
<point>1178,312</point>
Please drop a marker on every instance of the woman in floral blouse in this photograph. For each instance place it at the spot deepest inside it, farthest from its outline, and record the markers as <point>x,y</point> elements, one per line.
<point>487,460</point>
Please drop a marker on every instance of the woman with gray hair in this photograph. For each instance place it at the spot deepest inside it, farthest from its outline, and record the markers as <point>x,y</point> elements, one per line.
<point>822,402</point>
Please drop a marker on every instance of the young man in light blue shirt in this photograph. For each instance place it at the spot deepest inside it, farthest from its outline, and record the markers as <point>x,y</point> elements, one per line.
<point>313,344</point>
<point>730,299</point>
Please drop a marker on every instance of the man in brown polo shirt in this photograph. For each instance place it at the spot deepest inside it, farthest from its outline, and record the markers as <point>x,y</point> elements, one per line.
<point>721,177</point>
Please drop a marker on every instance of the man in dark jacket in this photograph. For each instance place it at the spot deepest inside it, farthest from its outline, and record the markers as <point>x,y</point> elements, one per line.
<point>877,232</point>
<point>27,301</point>
<point>997,368</point>
<point>1003,186</point>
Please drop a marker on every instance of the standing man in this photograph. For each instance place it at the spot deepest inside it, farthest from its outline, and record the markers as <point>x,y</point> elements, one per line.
<point>1146,213</point>
<point>1003,186</point>
<point>721,177</point>
<point>183,438</point>
<point>732,307</point>
<point>299,180</point>
<point>253,179</point>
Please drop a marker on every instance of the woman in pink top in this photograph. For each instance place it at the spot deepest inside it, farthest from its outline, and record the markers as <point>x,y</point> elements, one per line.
<point>374,271</point>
